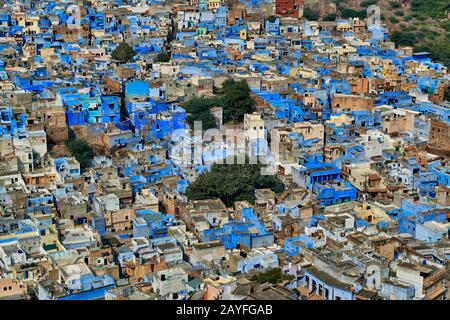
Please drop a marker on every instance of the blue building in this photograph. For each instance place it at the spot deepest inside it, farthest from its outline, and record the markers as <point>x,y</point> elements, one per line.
<point>151,224</point>
<point>442,172</point>
<point>324,180</point>
<point>326,285</point>
<point>246,233</point>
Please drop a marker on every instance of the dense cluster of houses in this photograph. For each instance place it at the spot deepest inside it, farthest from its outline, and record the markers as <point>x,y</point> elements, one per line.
<point>361,131</point>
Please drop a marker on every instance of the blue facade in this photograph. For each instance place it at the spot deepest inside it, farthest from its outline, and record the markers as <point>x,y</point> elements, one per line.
<point>328,290</point>
<point>248,233</point>
<point>293,246</point>
<point>151,224</point>
<point>442,173</point>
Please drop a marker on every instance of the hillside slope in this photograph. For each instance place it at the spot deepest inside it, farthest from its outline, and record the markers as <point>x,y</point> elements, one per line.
<point>423,24</point>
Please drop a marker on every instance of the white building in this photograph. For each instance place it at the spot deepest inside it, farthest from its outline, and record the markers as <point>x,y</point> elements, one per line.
<point>38,141</point>
<point>23,152</point>
<point>169,281</point>
<point>255,134</point>
<point>375,142</point>
<point>107,203</point>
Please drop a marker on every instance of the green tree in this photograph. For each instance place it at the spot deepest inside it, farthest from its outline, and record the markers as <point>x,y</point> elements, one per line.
<point>123,53</point>
<point>163,57</point>
<point>338,2</point>
<point>403,38</point>
<point>439,48</point>
<point>447,94</point>
<point>395,5</point>
<point>393,19</point>
<point>81,150</point>
<point>350,13</point>
<point>432,8</point>
<point>207,119</point>
<point>232,182</point>
<point>236,100</point>
<point>274,275</point>
<point>310,14</point>
<point>368,3</point>
<point>271,18</point>
<point>330,17</point>
<point>198,109</point>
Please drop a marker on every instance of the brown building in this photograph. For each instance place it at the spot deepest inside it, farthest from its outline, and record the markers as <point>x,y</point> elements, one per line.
<point>119,221</point>
<point>288,8</point>
<point>40,178</point>
<point>236,13</point>
<point>348,102</point>
<point>200,215</point>
<point>439,139</point>
<point>12,290</point>
<point>56,126</point>
<point>359,85</point>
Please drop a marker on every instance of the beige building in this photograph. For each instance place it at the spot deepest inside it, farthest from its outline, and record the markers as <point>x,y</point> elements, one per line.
<point>207,252</point>
<point>363,178</point>
<point>397,120</point>
<point>347,102</point>
<point>310,130</point>
<point>255,133</point>
<point>11,290</point>
<point>371,213</point>
<point>214,4</point>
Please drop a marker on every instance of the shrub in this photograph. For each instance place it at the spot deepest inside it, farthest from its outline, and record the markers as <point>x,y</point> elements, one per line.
<point>350,13</point>
<point>368,3</point>
<point>395,5</point>
<point>393,19</point>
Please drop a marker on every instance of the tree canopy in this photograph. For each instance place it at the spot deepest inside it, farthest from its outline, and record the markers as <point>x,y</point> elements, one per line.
<point>310,14</point>
<point>123,53</point>
<point>330,17</point>
<point>350,13</point>
<point>163,57</point>
<point>232,182</point>
<point>271,18</point>
<point>274,275</point>
<point>234,98</point>
<point>81,150</point>
<point>198,109</point>
<point>403,38</point>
